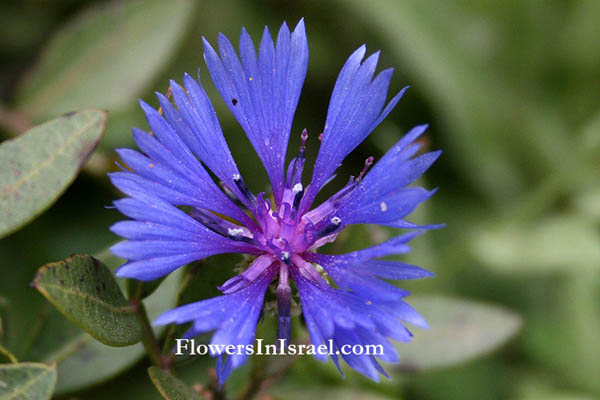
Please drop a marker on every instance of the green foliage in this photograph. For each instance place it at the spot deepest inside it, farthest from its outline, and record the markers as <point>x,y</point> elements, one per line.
<point>459,330</point>
<point>170,387</point>
<point>511,91</point>
<point>27,381</point>
<point>38,166</point>
<point>105,57</point>
<point>82,360</point>
<point>556,243</point>
<point>86,291</point>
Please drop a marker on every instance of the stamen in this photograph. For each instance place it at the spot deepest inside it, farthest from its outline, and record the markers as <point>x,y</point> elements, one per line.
<point>237,179</point>
<point>368,163</point>
<point>230,195</point>
<point>334,224</point>
<point>238,234</point>
<point>235,231</point>
<point>303,138</point>
<point>210,221</point>
<point>283,255</point>
<point>298,191</point>
<point>297,164</point>
<point>297,188</point>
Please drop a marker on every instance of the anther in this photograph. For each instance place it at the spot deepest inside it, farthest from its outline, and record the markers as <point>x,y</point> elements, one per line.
<point>238,234</point>
<point>298,191</point>
<point>235,231</point>
<point>237,179</point>
<point>334,224</point>
<point>230,195</point>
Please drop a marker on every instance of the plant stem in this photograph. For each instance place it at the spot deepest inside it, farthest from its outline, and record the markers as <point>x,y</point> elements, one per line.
<point>148,340</point>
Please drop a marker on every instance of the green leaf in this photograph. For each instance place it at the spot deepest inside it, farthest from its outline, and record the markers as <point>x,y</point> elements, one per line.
<point>37,167</point>
<point>27,381</point>
<point>536,390</point>
<point>106,57</point>
<point>566,242</point>
<point>459,331</point>
<point>86,292</point>
<point>310,392</point>
<point>82,360</point>
<point>170,387</point>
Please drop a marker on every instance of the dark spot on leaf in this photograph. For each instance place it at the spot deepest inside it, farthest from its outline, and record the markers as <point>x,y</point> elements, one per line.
<point>62,282</point>
<point>67,267</point>
<point>234,101</point>
<point>69,114</point>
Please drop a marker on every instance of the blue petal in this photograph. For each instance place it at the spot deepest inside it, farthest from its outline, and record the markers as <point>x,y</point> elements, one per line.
<point>372,209</point>
<point>262,92</point>
<point>154,268</point>
<point>171,164</point>
<point>396,270</point>
<point>355,321</point>
<point>395,245</point>
<point>356,108</point>
<point>360,363</point>
<point>196,123</point>
<point>147,230</point>
<point>155,255</point>
<point>233,316</point>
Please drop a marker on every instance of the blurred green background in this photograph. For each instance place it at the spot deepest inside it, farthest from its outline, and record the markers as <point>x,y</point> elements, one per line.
<point>511,90</point>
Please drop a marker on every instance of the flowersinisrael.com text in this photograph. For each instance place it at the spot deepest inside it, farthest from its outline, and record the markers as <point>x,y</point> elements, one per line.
<point>189,347</point>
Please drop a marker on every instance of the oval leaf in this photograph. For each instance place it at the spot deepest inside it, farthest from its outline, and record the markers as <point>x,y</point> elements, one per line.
<point>459,331</point>
<point>82,360</point>
<point>170,387</point>
<point>106,57</point>
<point>566,243</point>
<point>37,167</point>
<point>27,381</point>
<point>85,291</point>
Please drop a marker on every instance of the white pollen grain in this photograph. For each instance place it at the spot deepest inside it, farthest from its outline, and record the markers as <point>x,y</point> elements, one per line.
<point>297,188</point>
<point>383,206</point>
<point>235,231</point>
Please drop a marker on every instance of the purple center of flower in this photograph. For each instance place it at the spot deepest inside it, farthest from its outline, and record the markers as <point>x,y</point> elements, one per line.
<point>283,234</point>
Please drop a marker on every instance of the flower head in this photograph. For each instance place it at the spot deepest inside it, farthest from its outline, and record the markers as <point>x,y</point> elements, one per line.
<point>284,232</point>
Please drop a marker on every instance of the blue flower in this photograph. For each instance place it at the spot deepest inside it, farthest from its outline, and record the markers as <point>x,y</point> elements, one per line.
<point>282,233</point>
